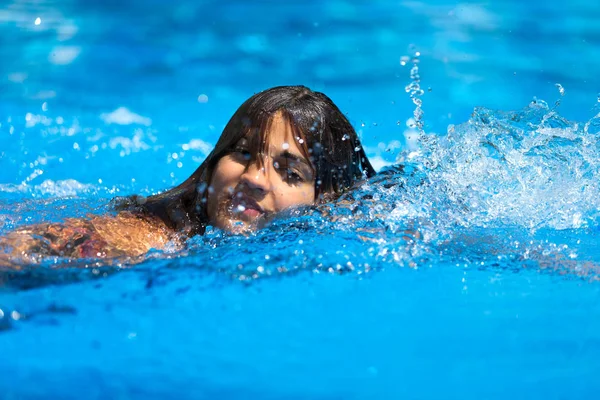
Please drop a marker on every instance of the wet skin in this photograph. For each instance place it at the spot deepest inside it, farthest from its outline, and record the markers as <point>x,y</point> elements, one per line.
<point>246,189</point>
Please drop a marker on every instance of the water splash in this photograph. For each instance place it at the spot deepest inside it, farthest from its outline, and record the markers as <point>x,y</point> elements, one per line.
<point>561,91</point>
<point>530,168</point>
<point>480,194</point>
<point>415,91</point>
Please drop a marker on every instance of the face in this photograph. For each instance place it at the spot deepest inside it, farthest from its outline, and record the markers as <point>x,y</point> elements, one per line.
<point>245,192</point>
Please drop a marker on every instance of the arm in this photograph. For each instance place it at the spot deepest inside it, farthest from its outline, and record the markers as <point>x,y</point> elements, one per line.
<point>126,234</point>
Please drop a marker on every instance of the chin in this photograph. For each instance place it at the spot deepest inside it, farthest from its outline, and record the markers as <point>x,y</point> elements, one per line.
<point>237,226</point>
<point>233,222</point>
<point>242,223</point>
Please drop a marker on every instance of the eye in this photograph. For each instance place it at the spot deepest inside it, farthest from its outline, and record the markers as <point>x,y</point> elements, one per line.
<point>293,176</point>
<point>241,152</point>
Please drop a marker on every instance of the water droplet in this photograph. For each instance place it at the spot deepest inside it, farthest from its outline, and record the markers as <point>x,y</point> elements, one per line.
<point>201,187</point>
<point>285,146</point>
<point>560,88</point>
<point>5,322</point>
<point>203,98</point>
<point>38,21</point>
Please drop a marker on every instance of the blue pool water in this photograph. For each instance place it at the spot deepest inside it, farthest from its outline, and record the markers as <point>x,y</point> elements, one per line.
<point>498,298</point>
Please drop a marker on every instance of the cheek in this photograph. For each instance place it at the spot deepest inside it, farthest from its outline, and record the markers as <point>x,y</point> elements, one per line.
<point>226,175</point>
<point>295,197</point>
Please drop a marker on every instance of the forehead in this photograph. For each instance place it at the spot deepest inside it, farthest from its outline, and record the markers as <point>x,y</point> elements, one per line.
<point>279,136</point>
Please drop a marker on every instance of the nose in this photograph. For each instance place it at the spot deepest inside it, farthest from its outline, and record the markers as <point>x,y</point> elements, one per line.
<point>255,177</point>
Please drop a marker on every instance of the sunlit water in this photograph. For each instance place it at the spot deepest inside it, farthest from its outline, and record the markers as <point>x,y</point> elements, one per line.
<point>471,271</point>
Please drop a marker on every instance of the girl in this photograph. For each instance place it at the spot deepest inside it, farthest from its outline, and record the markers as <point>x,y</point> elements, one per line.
<point>284,147</point>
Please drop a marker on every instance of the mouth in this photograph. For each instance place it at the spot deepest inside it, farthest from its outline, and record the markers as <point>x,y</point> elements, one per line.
<point>245,206</point>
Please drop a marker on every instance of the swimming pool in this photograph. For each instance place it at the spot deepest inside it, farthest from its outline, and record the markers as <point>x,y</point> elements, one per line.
<point>498,298</point>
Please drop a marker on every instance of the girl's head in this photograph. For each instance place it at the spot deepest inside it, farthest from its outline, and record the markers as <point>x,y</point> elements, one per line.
<point>286,146</point>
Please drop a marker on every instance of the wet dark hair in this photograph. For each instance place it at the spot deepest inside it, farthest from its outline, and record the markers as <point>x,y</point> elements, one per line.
<point>323,133</point>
